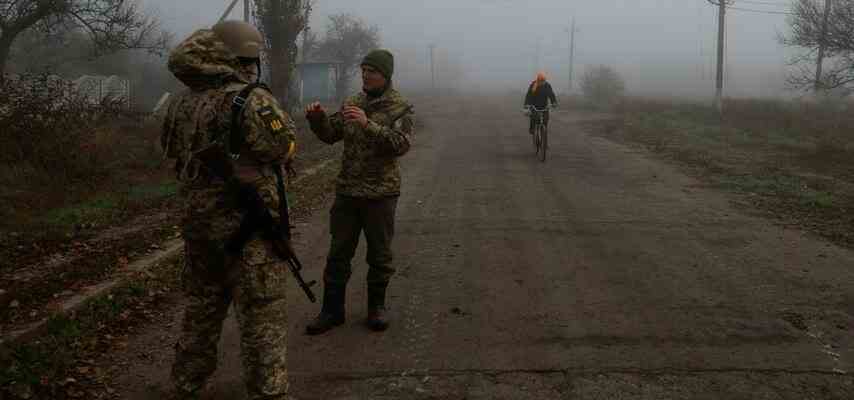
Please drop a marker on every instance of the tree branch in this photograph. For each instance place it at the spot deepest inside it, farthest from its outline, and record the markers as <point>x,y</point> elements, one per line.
<point>806,26</point>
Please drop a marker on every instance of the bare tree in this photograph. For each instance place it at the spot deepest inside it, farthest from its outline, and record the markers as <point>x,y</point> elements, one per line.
<point>348,39</point>
<point>34,50</point>
<point>282,21</point>
<point>807,33</point>
<point>602,85</point>
<point>310,44</point>
<point>111,25</point>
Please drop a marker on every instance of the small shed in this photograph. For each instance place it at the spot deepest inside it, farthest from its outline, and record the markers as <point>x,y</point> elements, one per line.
<point>317,81</point>
<point>98,88</point>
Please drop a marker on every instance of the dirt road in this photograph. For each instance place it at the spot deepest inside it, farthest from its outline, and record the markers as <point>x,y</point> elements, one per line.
<point>600,274</point>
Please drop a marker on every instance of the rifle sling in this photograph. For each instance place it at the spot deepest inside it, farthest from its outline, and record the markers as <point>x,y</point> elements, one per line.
<point>236,137</point>
<point>284,211</point>
<point>256,218</point>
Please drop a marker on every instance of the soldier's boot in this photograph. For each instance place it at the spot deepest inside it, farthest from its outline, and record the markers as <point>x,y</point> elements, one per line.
<point>331,313</point>
<point>377,315</point>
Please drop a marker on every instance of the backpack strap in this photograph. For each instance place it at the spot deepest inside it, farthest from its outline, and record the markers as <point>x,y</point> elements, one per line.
<point>236,140</point>
<point>237,137</point>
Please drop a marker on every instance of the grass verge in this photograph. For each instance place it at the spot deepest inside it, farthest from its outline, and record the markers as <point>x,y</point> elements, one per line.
<point>59,364</point>
<point>793,162</point>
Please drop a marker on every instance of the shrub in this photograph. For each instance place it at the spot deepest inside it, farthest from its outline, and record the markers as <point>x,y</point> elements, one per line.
<point>602,86</point>
<point>48,126</point>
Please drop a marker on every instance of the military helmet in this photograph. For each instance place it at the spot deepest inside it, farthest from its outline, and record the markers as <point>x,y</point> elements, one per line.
<point>242,38</point>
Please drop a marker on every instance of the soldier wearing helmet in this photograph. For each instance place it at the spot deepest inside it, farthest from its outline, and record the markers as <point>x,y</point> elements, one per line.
<point>220,68</point>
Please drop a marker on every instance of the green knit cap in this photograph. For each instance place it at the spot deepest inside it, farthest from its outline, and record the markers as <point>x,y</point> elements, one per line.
<point>382,60</point>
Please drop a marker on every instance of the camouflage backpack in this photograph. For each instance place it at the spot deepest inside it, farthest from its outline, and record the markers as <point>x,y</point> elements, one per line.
<point>184,130</point>
<point>187,128</point>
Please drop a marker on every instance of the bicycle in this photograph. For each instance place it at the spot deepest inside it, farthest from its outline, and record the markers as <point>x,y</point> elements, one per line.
<point>541,132</point>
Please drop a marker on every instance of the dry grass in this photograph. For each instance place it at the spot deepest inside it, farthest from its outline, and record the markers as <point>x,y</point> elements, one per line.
<point>62,150</point>
<point>70,168</point>
<point>55,366</point>
<point>794,161</point>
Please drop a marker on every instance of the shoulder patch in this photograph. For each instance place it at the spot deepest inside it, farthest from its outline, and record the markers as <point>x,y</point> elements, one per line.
<point>268,115</point>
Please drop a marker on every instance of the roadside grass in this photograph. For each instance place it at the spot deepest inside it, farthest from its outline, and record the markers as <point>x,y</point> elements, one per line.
<point>118,174</point>
<point>107,206</point>
<point>792,161</point>
<point>54,365</point>
<point>153,191</point>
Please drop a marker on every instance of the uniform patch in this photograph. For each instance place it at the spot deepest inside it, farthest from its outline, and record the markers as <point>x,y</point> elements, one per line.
<point>268,115</point>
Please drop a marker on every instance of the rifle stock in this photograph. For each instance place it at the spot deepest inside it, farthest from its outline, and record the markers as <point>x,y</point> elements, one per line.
<point>296,267</point>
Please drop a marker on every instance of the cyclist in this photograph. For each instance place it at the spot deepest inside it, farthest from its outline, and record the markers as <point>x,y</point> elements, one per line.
<point>539,94</point>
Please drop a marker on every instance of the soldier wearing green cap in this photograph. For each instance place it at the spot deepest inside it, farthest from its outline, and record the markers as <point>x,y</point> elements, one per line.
<point>377,127</point>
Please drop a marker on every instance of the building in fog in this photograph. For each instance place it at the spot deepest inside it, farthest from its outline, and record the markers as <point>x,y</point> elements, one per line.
<point>102,89</point>
<point>316,81</point>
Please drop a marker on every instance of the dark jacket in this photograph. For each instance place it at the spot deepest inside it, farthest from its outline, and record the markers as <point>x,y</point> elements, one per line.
<point>541,98</point>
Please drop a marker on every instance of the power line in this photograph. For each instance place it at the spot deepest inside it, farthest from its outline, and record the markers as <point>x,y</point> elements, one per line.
<point>761,11</point>
<point>753,10</point>
<point>769,3</point>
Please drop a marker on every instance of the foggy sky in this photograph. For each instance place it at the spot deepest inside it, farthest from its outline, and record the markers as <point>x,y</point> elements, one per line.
<point>659,46</point>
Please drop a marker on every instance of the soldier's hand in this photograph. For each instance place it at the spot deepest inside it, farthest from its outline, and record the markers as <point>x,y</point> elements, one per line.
<point>356,115</point>
<point>315,111</point>
<point>290,172</point>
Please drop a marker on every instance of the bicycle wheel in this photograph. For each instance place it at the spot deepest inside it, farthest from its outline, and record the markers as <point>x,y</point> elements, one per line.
<point>534,140</point>
<point>544,141</point>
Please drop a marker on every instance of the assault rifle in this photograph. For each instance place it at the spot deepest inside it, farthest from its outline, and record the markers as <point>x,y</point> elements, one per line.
<point>256,218</point>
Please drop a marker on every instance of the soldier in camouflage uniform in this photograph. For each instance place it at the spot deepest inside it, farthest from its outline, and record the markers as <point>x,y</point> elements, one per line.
<point>216,64</point>
<point>376,127</point>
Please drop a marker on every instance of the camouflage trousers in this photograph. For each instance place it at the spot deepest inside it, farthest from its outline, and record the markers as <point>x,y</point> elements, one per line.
<point>255,284</point>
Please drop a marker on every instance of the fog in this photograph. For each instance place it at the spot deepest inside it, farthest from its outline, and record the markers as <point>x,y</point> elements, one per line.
<point>661,47</point>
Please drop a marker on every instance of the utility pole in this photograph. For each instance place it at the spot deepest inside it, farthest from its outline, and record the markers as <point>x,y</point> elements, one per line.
<point>719,92</point>
<point>719,88</point>
<point>228,10</point>
<point>571,55</point>
<point>821,46</point>
<point>432,68</point>
<point>246,10</point>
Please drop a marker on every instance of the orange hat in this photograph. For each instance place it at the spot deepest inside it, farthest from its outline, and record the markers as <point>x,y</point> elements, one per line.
<point>541,77</point>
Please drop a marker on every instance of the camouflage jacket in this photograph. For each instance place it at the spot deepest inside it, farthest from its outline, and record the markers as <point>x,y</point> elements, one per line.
<point>201,117</point>
<point>369,167</point>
